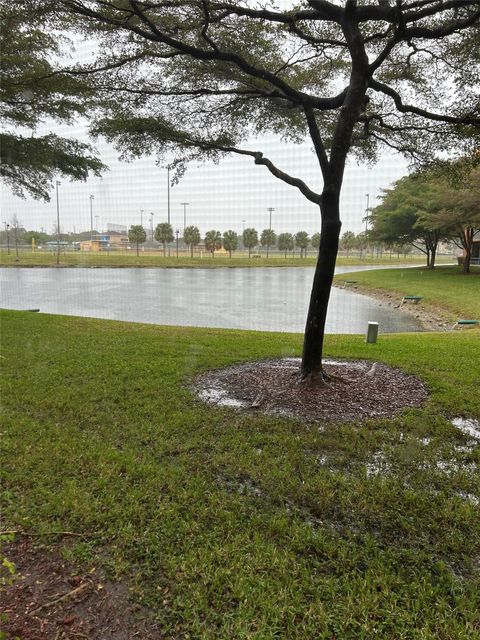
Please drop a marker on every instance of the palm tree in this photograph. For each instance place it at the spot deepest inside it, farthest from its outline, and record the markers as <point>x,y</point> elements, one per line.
<point>347,241</point>
<point>250,239</point>
<point>268,239</point>
<point>213,241</point>
<point>164,234</point>
<point>315,241</point>
<point>302,240</point>
<point>137,235</point>
<point>191,236</point>
<point>230,241</point>
<point>285,242</point>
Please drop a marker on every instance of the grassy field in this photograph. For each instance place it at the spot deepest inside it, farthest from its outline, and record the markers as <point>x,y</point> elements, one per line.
<point>236,525</point>
<point>445,288</point>
<point>156,259</point>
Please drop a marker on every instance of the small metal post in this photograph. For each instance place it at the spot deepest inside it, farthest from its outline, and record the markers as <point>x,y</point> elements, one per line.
<point>372,333</point>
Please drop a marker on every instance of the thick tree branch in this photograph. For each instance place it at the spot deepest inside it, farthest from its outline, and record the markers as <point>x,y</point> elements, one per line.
<point>287,17</point>
<point>318,142</point>
<point>406,108</point>
<point>259,159</point>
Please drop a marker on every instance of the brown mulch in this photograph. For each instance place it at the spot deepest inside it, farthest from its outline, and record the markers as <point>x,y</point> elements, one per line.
<point>50,600</point>
<point>357,391</point>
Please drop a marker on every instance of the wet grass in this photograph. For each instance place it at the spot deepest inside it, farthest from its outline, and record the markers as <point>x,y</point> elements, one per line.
<point>236,525</point>
<point>445,288</point>
<point>156,259</point>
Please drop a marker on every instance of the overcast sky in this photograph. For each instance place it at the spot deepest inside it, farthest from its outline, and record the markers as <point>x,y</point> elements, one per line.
<point>219,196</point>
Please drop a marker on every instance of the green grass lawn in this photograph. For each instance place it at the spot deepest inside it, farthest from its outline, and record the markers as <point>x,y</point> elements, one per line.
<point>444,288</point>
<point>156,259</point>
<point>236,525</point>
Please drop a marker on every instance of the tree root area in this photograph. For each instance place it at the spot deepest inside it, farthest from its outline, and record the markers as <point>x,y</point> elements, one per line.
<point>48,599</point>
<point>350,390</point>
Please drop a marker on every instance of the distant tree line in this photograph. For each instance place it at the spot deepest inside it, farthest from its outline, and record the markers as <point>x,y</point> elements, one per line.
<point>230,240</point>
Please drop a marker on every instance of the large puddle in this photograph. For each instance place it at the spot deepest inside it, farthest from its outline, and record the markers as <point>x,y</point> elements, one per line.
<point>266,299</point>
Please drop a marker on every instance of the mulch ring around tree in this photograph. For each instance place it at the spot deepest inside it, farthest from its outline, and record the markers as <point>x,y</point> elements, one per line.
<point>358,390</point>
<point>49,599</point>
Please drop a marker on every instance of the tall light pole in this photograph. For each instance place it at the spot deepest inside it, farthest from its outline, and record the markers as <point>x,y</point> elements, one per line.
<point>151,224</point>
<point>7,227</point>
<point>57,184</point>
<point>176,233</point>
<point>168,195</point>
<point>185,205</point>
<point>243,225</point>
<point>367,195</point>
<point>91,217</point>
<point>270,210</point>
<point>141,217</point>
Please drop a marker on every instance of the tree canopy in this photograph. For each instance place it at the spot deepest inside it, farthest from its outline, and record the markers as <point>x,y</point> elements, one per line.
<point>406,214</point>
<point>459,215</point>
<point>197,78</point>
<point>32,91</point>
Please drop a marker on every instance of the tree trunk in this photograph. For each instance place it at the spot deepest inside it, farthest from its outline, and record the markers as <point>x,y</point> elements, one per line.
<point>268,247</point>
<point>428,258</point>
<point>137,249</point>
<point>164,249</point>
<point>433,253</point>
<point>191,250</point>
<point>311,367</point>
<point>466,239</point>
<point>249,251</point>
<point>466,260</point>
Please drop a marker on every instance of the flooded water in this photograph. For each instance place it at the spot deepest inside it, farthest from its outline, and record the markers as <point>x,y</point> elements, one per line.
<point>267,299</point>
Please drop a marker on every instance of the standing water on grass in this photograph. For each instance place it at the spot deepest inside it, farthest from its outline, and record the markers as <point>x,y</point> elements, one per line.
<point>265,299</point>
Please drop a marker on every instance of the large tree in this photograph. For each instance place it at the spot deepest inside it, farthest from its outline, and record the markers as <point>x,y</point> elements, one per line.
<point>193,76</point>
<point>407,214</point>
<point>460,213</point>
<point>32,92</point>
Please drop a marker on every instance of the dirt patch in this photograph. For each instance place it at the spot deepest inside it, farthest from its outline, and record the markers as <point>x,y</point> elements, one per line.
<point>50,600</point>
<point>358,390</point>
